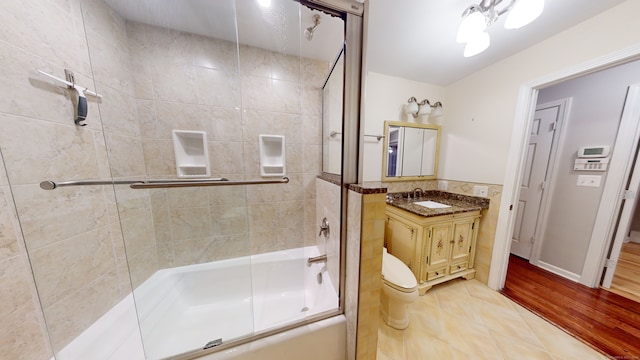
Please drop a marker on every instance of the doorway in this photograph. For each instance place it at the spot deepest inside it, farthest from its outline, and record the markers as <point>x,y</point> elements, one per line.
<point>594,252</point>
<point>626,278</point>
<point>574,182</point>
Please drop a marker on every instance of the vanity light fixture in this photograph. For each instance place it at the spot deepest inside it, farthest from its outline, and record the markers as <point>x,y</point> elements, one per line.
<point>424,107</point>
<point>477,17</point>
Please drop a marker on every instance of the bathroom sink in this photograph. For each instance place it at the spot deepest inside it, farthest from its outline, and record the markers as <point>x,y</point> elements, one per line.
<point>431,204</point>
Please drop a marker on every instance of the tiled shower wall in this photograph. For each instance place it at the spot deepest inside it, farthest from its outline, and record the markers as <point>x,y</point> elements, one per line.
<point>109,50</point>
<point>191,82</point>
<point>328,206</point>
<point>22,331</point>
<point>74,235</point>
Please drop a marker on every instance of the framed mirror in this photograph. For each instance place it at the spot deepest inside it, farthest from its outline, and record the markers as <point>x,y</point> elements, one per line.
<point>410,151</point>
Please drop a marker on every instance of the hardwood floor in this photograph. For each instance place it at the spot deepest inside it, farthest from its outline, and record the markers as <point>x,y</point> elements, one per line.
<point>602,319</point>
<point>626,281</point>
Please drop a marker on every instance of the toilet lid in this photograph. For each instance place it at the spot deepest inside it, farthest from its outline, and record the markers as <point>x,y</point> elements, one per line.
<point>397,274</point>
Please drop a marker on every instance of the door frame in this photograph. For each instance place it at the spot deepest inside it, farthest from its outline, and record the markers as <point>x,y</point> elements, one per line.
<point>610,207</point>
<point>525,108</point>
<point>626,208</point>
<point>564,110</point>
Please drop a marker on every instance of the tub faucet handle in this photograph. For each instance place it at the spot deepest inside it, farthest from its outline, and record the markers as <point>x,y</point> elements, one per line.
<point>324,228</point>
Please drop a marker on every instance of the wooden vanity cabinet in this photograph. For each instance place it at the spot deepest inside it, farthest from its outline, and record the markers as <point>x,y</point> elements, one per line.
<point>436,249</point>
<point>406,244</point>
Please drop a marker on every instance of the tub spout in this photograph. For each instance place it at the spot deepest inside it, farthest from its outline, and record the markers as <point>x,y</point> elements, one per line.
<point>321,258</point>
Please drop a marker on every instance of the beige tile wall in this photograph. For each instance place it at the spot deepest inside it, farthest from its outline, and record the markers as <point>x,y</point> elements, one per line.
<point>372,239</point>
<point>352,276</point>
<point>76,253</point>
<point>365,238</point>
<point>111,60</point>
<point>22,334</point>
<point>488,221</point>
<point>328,206</point>
<point>198,83</point>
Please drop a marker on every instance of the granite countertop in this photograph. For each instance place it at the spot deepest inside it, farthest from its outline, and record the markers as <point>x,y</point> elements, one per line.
<point>459,203</point>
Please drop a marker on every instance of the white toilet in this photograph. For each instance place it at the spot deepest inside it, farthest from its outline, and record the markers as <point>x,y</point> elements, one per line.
<point>399,289</point>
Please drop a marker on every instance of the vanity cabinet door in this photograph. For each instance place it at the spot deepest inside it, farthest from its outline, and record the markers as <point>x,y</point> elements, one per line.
<point>436,251</point>
<point>438,245</point>
<point>463,231</point>
<point>400,239</point>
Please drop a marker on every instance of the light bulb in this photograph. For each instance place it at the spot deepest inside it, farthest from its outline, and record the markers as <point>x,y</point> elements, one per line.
<point>523,12</point>
<point>477,45</point>
<point>472,25</point>
<point>411,108</point>
<point>437,109</point>
<point>424,109</point>
<point>264,3</point>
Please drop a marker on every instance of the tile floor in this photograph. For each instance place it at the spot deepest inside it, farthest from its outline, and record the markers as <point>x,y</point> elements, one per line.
<point>464,319</point>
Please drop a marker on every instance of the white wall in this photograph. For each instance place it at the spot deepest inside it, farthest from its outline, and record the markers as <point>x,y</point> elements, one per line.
<point>597,104</point>
<point>480,108</point>
<point>385,97</point>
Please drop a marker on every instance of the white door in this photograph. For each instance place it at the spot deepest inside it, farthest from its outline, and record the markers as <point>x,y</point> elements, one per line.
<point>626,211</point>
<point>528,210</point>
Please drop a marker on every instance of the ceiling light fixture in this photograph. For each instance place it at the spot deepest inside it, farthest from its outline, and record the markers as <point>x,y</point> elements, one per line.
<point>422,108</point>
<point>264,3</point>
<point>477,17</point>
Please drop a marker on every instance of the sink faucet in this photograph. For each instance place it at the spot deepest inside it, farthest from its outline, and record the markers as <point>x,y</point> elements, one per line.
<point>417,193</point>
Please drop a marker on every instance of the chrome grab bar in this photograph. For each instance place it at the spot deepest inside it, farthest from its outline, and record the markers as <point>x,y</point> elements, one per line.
<point>50,185</point>
<point>172,184</point>
<point>161,183</point>
<point>315,259</point>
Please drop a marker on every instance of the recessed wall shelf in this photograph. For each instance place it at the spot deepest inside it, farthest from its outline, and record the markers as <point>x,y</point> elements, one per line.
<point>192,156</point>
<point>272,155</point>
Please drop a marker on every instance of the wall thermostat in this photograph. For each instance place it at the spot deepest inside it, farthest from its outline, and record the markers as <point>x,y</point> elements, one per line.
<point>592,158</point>
<point>591,164</point>
<point>594,151</point>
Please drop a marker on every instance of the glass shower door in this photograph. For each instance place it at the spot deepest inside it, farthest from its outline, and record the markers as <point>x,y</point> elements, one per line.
<point>210,265</point>
<point>172,111</point>
<point>188,90</point>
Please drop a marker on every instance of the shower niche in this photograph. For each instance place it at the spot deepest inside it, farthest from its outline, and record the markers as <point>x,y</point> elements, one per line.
<point>192,156</point>
<point>272,159</point>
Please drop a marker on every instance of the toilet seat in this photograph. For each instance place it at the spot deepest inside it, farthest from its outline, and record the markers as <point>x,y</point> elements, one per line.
<point>399,288</point>
<point>397,275</point>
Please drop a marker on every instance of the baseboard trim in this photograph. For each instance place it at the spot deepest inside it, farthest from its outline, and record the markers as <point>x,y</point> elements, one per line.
<point>559,271</point>
<point>634,236</point>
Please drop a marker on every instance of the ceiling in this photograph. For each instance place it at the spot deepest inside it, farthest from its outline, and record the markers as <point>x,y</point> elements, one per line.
<point>412,39</point>
<point>279,28</point>
<point>415,39</point>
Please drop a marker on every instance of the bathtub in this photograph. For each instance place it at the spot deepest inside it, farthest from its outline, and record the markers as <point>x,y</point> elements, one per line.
<point>185,308</point>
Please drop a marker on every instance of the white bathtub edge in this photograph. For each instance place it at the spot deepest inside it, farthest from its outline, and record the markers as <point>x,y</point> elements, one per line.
<point>323,340</point>
<point>100,341</point>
